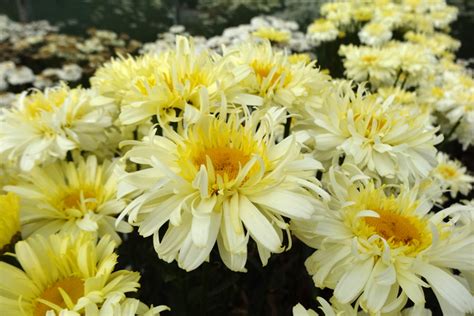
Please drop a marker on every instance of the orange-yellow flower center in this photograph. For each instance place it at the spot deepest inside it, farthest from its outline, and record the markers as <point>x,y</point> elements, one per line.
<point>394,227</point>
<point>372,124</point>
<point>37,102</point>
<point>72,287</point>
<point>447,171</point>
<point>369,58</point>
<point>75,198</point>
<point>397,221</point>
<point>225,160</point>
<point>264,69</point>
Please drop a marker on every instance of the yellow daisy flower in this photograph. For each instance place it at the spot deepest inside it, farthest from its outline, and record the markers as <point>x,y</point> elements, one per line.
<point>62,273</point>
<point>70,197</point>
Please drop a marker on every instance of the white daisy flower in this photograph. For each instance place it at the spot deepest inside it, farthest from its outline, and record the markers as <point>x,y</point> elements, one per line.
<point>221,180</point>
<point>375,33</point>
<point>375,134</point>
<point>44,127</point>
<point>452,175</point>
<point>322,30</point>
<point>297,86</point>
<point>379,66</point>
<point>378,244</point>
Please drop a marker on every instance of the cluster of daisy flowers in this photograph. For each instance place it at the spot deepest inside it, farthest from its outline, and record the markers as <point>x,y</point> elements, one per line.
<point>248,147</point>
<point>378,21</point>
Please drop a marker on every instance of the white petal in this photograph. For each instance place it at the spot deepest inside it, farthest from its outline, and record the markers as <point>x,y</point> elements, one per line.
<point>191,256</point>
<point>287,203</point>
<point>353,281</point>
<point>258,226</point>
<point>447,286</point>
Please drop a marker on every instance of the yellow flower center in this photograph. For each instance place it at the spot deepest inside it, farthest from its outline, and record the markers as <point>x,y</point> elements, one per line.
<point>369,59</point>
<point>76,198</point>
<point>223,148</point>
<point>264,69</point>
<point>58,294</point>
<point>397,222</point>
<point>38,102</point>
<point>437,92</point>
<point>225,160</point>
<point>447,171</point>
<point>394,227</point>
<point>370,123</point>
<point>142,84</point>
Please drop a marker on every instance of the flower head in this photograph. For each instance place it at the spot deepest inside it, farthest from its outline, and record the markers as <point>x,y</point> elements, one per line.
<point>62,273</point>
<point>375,134</point>
<point>70,197</point>
<point>297,86</point>
<point>43,127</point>
<point>452,175</point>
<point>375,34</point>
<point>378,242</point>
<point>222,180</point>
<point>322,30</point>
<point>377,65</point>
<point>169,85</point>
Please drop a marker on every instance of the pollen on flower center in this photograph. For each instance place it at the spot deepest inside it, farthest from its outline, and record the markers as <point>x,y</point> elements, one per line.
<point>369,58</point>
<point>73,287</point>
<point>447,171</point>
<point>75,198</point>
<point>394,227</point>
<point>225,160</point>
<point>264,69</point>
<point>37,102</point>
<point>370,124</point>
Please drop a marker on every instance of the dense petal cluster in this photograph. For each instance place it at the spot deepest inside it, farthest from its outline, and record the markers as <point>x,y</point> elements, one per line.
<point>168,85</point>
<point>375,134</point>
<point>297,86</point>
<point>378,243</point>
<point>63,274</point>
<point>42,127</point>
<point>223,180</point>
<point>70,197</point>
